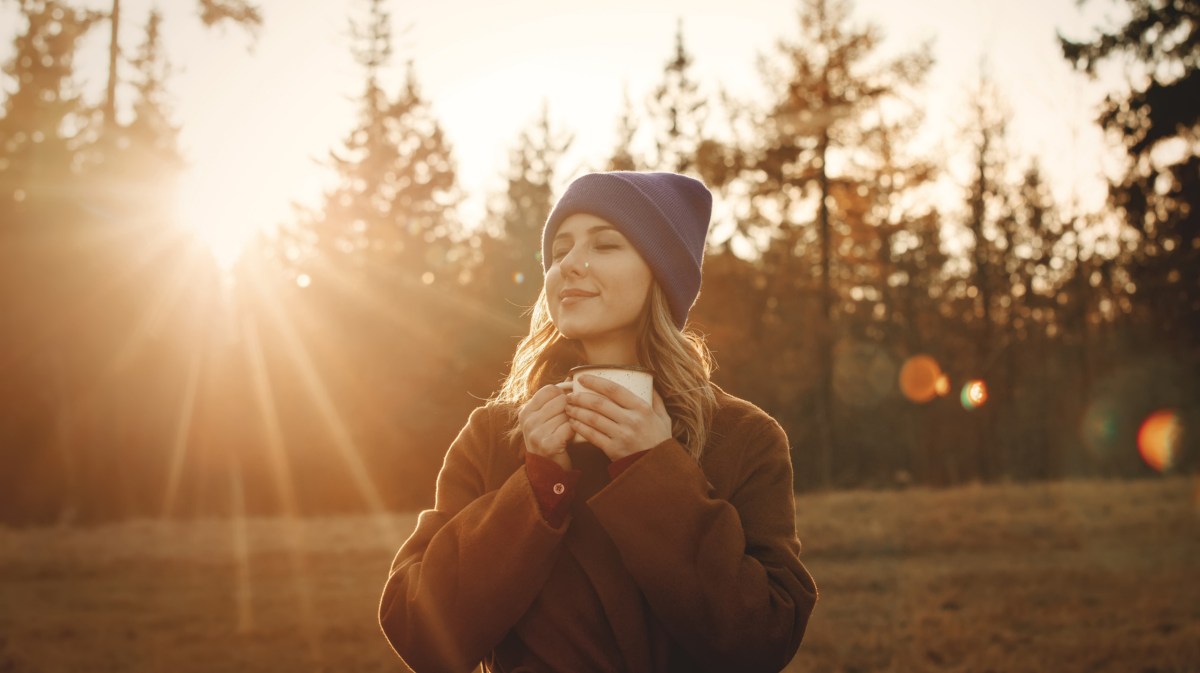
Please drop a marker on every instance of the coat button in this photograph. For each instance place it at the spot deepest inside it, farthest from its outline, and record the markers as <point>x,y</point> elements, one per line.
<point>559,488</point>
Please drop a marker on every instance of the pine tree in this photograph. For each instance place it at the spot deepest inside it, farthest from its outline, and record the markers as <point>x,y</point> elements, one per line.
<point>677,111</point>
<point>212,12</point>
<point>135,168</point>
<point>988,208</point>
<point>623,157</point>
<point>1157,122</point>
<point>42,130</point>
<point>515,265</point>
<point>886,199</point>
<point>986,195</point>
<point>827,83</point>
<point>393,209</point>
<point>45,121</point>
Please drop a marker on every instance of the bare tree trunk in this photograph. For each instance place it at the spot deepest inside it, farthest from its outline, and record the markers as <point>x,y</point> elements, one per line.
<point>825,333</point>
<point>114,52</point>
<point>983,287</point>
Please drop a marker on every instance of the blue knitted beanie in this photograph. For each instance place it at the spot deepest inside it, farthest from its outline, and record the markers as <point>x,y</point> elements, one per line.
<point>664,215</point>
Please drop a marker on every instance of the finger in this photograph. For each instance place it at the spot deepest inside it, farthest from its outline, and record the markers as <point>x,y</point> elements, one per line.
<point>594,419</point>
<point>597,403</point>
<point>590,434</point>
<point>616,392</point>
<point>544,395</point>
<point>563,433</point>
<point>552,412</point>
<point>544,431</point>
<point>551,437</point>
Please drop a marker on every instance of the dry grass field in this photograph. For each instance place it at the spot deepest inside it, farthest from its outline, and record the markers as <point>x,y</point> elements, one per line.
<point>1076,576</point>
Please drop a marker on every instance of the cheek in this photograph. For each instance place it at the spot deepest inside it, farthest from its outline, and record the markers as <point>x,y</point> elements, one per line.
<point>551,284</point>
<point>639,281</point>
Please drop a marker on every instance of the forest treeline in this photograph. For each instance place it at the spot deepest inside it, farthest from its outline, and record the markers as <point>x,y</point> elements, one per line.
<point>330,367</point>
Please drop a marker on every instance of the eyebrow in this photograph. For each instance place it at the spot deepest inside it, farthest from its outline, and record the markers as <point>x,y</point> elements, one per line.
<point>591,230</point>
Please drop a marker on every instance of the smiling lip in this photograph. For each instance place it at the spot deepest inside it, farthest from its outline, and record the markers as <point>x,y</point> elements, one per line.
<point>572,296</point>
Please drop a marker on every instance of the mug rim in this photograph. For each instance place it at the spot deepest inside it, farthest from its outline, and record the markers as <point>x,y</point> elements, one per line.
<point>633,368</point>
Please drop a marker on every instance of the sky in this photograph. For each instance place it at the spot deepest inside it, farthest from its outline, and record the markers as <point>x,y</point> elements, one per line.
<point>260,115</point>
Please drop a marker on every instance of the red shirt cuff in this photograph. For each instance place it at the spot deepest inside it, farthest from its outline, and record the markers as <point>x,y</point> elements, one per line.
<point>621,464</point>
<point>553,487</point>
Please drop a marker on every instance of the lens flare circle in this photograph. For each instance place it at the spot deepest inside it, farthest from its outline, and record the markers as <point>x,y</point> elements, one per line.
<point>921,378</point>
<point>1158,439</point>
<point>974,394</point>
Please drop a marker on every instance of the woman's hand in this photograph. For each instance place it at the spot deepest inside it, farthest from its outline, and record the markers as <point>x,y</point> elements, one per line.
<point>618,422</point>
<point>545,426</point>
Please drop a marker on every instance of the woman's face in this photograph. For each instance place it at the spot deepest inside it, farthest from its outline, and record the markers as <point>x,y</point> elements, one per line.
<point>597,283</point>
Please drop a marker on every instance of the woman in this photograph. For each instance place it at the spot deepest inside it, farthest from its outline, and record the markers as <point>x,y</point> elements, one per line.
<point>663,542</point>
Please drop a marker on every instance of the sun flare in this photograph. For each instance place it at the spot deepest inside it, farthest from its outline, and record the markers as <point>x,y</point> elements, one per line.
<point>222,210</point>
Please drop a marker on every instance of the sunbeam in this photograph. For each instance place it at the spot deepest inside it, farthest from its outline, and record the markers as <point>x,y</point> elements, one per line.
<point>154,314</point>
<point>139,251</point>
<point>346,447</point>
<point>265,398</point>
<point>183,427</point>
<point>244,594</point>
<point>281,472</point>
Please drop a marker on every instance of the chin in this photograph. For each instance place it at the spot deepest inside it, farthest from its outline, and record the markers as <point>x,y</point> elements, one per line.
<point>570,330</point>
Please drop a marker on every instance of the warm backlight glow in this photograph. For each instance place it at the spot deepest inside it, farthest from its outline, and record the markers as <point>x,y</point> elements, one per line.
<point>1158,439</point>
<point>974,394</point>
<point>921,379</point>
<point>222,212</point>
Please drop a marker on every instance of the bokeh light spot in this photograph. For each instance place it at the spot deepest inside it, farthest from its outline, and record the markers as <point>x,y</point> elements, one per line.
<point>1158,439</point>
<point>518,278</point>
<point>942,386</point>
<point>303,280</point>
<point>920,378</point>
<point>974,394</point>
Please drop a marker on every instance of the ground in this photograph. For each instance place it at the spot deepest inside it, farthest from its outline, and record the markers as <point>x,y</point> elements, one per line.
<point>1074,576</point>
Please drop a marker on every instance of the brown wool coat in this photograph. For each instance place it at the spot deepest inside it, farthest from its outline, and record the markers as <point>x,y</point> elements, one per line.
<point>672,566</point>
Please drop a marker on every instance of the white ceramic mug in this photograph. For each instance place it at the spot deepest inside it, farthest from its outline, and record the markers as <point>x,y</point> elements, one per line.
<point>638,380</point>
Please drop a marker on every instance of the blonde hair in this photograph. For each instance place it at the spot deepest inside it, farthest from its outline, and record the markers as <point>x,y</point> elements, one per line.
<point>680,360</point>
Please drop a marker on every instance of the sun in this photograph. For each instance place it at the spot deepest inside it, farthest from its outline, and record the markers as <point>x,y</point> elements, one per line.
<point>222,210</point>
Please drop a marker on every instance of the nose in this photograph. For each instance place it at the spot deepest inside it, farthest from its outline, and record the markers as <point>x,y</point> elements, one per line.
<point>574,262</point>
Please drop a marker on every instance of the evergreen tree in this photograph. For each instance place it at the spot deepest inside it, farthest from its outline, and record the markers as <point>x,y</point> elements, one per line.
<point>828,81</point>
<point>212,12</point>
<point>986,201</point>
<point>136,173</point>
<point>888,196</point>
<point>44,122</point>
<point>514,260</point>
<point>988,212</point>
<point>623,158</point>
<point>42,275</point>
<point>1039,304</point>
<point>1157,122</point>
<point>393,209</point>
<point>677,111</point>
